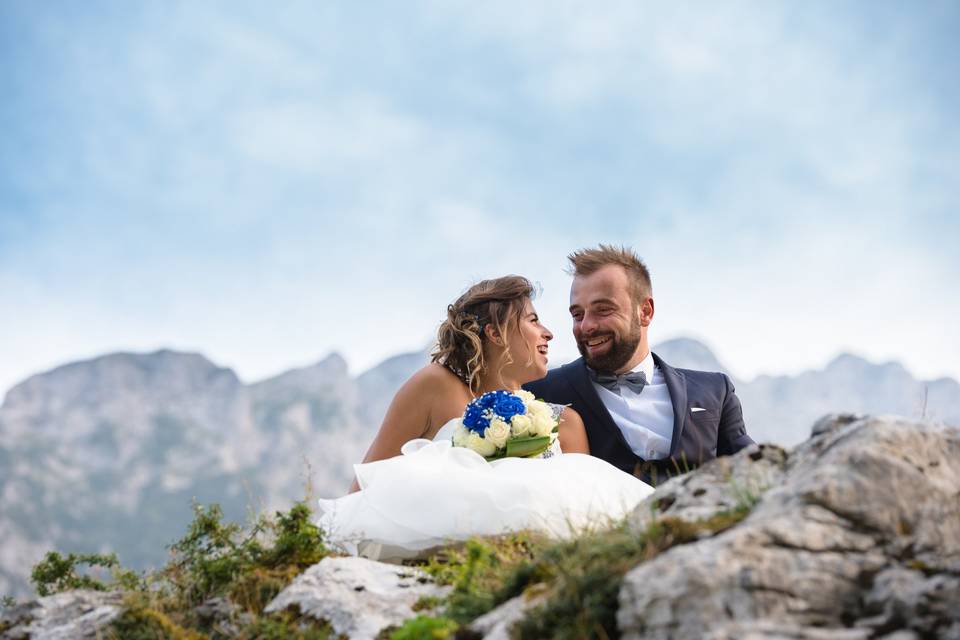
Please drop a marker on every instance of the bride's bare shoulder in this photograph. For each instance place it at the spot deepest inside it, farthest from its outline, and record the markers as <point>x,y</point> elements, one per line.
<point>434,378</point>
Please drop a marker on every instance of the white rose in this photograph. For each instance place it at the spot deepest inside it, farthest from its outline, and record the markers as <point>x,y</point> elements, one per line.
<point>543,425</point>
<point>460,435</point>
<point>538,407</point>
<point>520,425</point>
<point>497,433</point>
<point>481,446</point>
<point>542,418</point>
<point>526,396</point>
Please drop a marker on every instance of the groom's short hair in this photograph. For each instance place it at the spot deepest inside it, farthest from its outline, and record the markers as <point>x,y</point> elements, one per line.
<point>586,261</point>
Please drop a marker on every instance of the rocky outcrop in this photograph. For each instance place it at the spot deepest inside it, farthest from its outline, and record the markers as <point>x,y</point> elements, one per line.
<point>356,596</point>
<point>74,615</point>
<point>856,536</point>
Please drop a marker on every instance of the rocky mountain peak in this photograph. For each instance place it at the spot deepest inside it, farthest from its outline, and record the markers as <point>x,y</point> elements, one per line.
<point>331,371</point>
<point>688,353</point>
<point>94,382</point>
<point>856,371</point>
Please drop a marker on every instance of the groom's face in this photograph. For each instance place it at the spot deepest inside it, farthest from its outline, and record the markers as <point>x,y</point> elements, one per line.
<point>606,320</point>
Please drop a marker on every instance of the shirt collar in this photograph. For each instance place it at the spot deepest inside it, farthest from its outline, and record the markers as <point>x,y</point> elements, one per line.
<point>646,365</point>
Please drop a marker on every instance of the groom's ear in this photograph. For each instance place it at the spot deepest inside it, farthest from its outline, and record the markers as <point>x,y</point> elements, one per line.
<point>645,312</point>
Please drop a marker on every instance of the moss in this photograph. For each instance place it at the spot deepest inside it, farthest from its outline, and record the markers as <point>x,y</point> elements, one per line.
<point>479,570</point>
<point>287,625</point>
<point>423,628</point>
<point>427,603</point>
<point>254,590</point>
<point>580,577</point>
<point>589,571</point>
<point>144,623</point>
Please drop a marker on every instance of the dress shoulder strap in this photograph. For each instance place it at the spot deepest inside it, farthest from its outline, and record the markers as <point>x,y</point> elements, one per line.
<point>557,409</point>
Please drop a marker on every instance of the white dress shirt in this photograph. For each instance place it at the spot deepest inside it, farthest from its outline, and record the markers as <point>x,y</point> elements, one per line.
<point>645,418</point>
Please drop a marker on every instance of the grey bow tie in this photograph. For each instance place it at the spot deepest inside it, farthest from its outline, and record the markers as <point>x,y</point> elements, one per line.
<point>635,380</point>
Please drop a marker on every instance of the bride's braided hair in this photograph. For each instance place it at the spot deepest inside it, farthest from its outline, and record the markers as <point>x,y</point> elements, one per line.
<point>498,302</point>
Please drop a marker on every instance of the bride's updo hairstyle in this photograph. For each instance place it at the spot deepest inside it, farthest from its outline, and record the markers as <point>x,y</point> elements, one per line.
<point>498,302</point>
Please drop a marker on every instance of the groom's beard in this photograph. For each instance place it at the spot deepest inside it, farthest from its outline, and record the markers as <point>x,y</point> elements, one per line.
<point>621,350</point>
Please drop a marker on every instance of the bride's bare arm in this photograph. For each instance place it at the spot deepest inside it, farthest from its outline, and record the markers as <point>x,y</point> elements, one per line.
<point>408,417</point>
<point>573,435</point>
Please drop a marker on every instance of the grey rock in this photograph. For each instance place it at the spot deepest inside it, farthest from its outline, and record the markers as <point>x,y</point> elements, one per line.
<point>905,597</point>
<point>778,631</point>
<point>496,623</point>
<point>358,597</point>
<point>223,616</point>
<point>71,615</point>
<point>723,484</point>
<point>834,421</point>
<point>817,554</point>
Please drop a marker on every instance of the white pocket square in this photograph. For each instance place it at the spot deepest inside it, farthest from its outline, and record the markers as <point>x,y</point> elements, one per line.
<point>696,409</point>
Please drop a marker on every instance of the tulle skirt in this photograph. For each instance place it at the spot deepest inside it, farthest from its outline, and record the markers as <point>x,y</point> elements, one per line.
<point>433,494</point>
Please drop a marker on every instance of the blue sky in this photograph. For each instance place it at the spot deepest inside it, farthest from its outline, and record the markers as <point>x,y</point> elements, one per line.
<point>268,183</point>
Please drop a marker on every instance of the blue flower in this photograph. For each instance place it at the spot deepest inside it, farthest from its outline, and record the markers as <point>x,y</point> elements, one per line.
<point>502,404</point>
<point>474,418</point>
<point>509,405</point>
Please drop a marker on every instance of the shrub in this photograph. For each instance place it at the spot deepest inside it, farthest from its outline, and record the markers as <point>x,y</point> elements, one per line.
<point>216,558</point>
<point>56,573</point>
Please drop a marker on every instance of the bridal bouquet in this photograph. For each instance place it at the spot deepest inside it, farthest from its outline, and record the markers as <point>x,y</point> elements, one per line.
<point>499,424</point>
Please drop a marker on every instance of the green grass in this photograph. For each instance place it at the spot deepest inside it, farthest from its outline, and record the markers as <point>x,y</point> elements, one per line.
<point>580,578</point>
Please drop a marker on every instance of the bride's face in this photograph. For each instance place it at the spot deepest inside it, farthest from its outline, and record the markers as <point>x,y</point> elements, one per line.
<point>528,346</point>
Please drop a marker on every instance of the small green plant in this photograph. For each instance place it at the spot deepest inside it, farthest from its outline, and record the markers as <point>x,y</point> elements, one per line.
<point>56,573</point>
<point>215,558</point>
<point>425,628</point>
<point>139,622</point>
<point>211,554</point>
<point>427,603</point>
<point>748,493</point>
<point>287,625</point>
<point>298,541</point>
<point>479,570</point>
<point>7,602</point>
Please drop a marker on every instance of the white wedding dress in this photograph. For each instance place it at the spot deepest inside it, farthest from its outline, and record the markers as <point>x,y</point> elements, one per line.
<point>434,493</point>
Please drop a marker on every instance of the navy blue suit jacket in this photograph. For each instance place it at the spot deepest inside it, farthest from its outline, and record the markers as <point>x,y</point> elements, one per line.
<point>697,436</point>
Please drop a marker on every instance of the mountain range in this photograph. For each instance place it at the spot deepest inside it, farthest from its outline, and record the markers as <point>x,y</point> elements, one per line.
<point>109,454</point>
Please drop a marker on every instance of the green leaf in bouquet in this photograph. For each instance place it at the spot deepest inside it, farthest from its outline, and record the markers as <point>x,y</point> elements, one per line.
<point>526,447</point>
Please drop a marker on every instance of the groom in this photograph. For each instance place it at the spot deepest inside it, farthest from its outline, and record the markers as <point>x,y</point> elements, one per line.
<point>641,414</point>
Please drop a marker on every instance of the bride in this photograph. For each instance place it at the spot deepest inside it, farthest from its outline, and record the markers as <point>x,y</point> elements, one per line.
<point>415,490</point>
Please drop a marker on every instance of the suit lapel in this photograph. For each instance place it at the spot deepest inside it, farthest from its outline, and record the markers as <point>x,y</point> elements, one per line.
<point>582,385</point>
<point>677,386</point>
